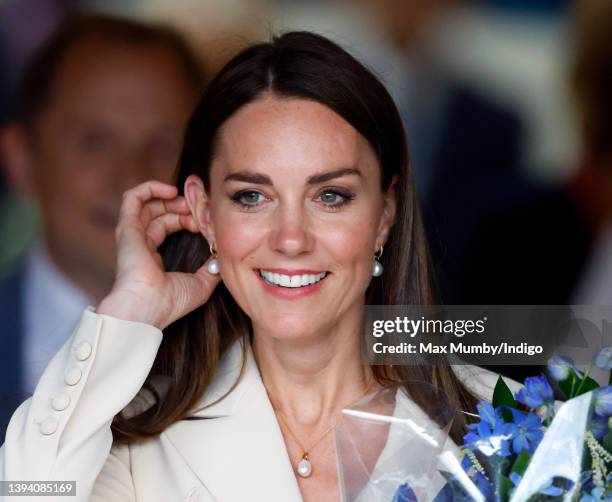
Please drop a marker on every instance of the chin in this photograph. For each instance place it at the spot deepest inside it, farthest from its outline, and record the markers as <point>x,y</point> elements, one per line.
<point>292,327</point>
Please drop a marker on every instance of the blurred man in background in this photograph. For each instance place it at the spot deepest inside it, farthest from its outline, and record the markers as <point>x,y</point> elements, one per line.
<point>101,107</point>
<point>592,85</point>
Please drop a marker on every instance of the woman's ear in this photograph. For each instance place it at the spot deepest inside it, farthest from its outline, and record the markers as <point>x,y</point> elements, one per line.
<point>388,215</point>
<point>199,206</point>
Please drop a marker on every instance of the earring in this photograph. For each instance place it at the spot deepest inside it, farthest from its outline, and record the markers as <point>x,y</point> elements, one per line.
<point>213,265</point>
<point>377,268</point>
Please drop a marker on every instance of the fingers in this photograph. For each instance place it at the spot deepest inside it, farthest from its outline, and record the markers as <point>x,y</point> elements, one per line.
<point>130,235</point>
<point>166,224</point>
<point>135,199</point>
<point>137,196</point>
<point>201,285</point>
<point>158,207</point>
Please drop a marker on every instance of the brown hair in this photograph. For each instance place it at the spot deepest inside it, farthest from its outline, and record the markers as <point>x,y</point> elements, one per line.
<point>36,86</point>
<point>592,73</point>
<point>308,66</point>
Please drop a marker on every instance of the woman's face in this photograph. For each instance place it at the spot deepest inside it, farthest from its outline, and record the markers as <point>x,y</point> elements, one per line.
<point>295,193</point>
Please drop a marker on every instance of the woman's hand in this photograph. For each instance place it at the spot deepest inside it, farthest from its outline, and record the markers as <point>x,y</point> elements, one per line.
<point>143,291</point>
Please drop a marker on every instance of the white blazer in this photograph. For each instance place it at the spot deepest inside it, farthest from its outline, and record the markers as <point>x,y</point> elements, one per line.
<point>231,451</point>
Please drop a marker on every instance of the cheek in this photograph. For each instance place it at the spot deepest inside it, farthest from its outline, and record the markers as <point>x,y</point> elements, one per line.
<point>238,237</point>
<point>350,247</point>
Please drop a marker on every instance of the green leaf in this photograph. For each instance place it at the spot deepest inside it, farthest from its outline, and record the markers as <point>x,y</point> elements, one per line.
<point>574,386</point>
<point>502,395</point>
<point>503,487</point>
<point>569,385</point>
<point>521,462</point>
<point>587,386</point>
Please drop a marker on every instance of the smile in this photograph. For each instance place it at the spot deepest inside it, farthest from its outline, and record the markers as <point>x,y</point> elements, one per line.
<point>291,281</point>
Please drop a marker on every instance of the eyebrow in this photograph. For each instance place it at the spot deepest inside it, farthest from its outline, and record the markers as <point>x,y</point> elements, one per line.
<point>263,179</point>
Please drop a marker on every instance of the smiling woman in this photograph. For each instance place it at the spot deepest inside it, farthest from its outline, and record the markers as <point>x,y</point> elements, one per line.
<point>293,175</point>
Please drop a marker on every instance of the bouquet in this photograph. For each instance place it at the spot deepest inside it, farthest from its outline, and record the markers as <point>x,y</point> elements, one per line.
<point>520,447</point>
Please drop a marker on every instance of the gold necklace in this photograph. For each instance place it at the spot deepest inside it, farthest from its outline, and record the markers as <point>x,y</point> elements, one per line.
<point>304,465</point>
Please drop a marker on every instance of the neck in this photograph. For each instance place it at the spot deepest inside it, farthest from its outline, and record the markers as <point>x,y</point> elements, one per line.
<point>309,379</point>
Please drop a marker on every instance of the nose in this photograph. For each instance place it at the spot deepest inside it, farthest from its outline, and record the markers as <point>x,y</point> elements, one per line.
<point>291,234</point>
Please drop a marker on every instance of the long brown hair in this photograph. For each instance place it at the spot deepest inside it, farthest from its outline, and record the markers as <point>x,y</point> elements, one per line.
<point>308,66</point>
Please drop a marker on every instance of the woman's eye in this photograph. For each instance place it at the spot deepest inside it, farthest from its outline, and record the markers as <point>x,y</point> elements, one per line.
<point>334,198</point>
<point>247,198</point>
<point>331,199</point>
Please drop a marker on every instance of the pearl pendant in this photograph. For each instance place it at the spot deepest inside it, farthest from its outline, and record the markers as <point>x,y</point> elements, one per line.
<point>304,468</point>
<point>213,266</point>
<point>377,269</point>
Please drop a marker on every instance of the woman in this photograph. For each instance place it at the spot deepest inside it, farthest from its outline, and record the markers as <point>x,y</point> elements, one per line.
<point>294,175</point>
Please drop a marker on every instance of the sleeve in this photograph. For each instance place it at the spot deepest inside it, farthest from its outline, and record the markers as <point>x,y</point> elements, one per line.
<point>62,433</point>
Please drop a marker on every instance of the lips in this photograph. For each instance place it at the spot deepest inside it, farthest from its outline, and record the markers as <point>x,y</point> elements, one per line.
<point>294,280</point>
<point>291,291</point>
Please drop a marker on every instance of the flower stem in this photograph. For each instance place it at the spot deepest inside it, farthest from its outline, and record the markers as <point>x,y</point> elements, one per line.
<point>584,378</point>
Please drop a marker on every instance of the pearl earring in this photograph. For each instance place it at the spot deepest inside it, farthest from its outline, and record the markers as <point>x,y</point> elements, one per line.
<point>377,268</point>
<point>213,265</point>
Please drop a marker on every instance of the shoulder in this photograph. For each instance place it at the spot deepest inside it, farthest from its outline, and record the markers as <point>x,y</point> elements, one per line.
<point>480,381</point>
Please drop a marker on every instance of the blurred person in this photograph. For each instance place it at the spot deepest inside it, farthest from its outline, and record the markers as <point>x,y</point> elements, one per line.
<point>101,107</point>
<point>24,26</point>
<point>591,81</point>
<point>497,236</point>
<point>555,246</point>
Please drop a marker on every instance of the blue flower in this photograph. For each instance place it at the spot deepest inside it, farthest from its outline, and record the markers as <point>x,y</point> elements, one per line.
<point>603,359</point>
<point>596,495</point>
<point>404,494</point>
<point>484,486</point>
<point>560,368</point>
<point>598,426</point>
<point>546,489</point>
<point>536,392</point>
<point>525,431</point>
<point>455,491</point>
<point>490,435</point>
<point>602,399</point>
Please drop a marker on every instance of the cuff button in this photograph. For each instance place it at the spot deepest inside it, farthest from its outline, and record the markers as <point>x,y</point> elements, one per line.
<point>60,402</point>
<point>73,376</point>
<point>82,351</point>
<point>48,426</point>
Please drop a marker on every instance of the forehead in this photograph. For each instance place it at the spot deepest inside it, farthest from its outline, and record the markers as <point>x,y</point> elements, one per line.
<point>101,73</point>
<point>291,133</point>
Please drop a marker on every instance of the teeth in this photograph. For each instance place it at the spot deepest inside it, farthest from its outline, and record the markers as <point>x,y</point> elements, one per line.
<point>291,281</point>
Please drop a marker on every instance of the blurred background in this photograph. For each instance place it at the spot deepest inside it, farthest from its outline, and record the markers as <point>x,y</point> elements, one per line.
<point>504,103</point>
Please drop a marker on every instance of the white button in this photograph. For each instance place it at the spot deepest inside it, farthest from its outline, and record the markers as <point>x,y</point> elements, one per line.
<point>49,426</point>
<point>73,376</point>
<point>82,351</point>
<point>60,402</point>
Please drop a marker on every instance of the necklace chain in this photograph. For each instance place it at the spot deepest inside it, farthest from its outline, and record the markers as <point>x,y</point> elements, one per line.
<point>306,451</point>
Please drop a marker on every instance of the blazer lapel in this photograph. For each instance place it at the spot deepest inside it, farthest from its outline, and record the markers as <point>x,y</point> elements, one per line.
<point>235,446</point>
